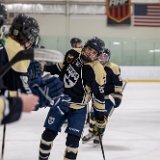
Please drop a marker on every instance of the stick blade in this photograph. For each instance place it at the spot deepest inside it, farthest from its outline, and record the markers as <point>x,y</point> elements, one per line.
<point>50,55</point>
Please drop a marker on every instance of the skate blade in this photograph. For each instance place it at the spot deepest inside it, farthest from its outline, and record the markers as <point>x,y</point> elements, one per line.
<point>84,142</point>
<point>96,144</point>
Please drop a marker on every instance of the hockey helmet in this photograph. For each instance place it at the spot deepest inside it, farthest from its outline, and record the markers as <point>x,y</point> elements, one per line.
<point>74,41</point>
<point>24,29</point>
<point>105,56</point>
<point>97,44</point>
<point>107,52</point>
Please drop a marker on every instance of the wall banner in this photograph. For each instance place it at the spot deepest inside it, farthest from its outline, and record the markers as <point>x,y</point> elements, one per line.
<point>118,12</point>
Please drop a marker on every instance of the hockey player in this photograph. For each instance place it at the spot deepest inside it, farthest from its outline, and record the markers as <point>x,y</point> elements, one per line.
<point>76,42</point>
<point>11,108</point>
<point>23,33</point>
<point>82,75</point>
<point>113,92</point>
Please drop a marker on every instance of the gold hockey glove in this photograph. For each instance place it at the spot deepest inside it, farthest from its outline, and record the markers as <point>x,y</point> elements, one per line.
<point>99,127</point>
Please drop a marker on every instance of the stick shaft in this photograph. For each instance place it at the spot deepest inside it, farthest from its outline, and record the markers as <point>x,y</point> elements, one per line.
<point>102,149</point>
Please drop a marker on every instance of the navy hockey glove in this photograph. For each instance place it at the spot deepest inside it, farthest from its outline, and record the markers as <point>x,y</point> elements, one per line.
<point>34,70</point>
<point>47,90</point>
<point>99,127</point>
<point>61,104</point>
<point>118,99</point>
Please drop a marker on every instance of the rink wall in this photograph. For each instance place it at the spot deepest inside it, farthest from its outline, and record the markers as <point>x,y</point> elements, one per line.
<point>141,73</point>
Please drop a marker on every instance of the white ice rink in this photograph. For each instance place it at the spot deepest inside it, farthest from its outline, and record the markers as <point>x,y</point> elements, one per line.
<point>132,133</point>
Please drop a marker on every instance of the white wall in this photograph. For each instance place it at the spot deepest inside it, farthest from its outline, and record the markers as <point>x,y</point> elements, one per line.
<point>88,26</point>
<point>140,73</point>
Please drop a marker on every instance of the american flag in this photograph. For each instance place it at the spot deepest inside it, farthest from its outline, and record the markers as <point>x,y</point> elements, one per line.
<point>147,15</point>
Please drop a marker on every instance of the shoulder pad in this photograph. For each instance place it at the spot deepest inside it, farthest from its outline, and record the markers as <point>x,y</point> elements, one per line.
<point>115,68</point>
<point>12,48</point>
<point>99,71</point>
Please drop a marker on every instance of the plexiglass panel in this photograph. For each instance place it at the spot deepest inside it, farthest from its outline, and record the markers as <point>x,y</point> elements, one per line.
<point>124,51</point>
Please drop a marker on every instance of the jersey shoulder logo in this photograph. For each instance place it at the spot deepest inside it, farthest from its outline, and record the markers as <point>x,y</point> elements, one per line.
<point>69,58</point>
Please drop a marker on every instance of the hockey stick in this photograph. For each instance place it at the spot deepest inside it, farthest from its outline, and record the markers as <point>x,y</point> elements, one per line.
<point>126,81</point>
<point>100,140</point>
<point>33,54</point>
<point>3,141</point>
<point>112,99</point>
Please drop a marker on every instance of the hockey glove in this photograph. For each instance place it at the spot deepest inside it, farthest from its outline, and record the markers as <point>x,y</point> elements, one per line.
<point>47,90</point>
<point>99,127</point>
<point>34,70</point>
<point>118,99</point>
<point>61,104</point>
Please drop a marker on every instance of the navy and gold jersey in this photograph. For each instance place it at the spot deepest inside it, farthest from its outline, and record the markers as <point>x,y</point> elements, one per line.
<point>113,79</point>
<point>16,78</point>
<point>81,80</point>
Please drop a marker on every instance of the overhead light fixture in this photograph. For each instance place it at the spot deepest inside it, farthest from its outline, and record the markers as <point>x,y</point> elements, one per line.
<point>116,43</point>
<point>154,50</point>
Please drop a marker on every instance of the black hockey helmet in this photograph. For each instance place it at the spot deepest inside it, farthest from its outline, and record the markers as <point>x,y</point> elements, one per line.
<point>24,29</point>
<point>3,14</point>
<point>97,44</point>
<point>107,52</point>
<point>74,41</point>
<point>103,59</point>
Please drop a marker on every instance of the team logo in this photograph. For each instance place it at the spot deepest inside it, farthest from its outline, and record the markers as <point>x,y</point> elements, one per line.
<point>71,77</point>
<point>69,58</point>
<point>51,120</point>
<point>118,10</point>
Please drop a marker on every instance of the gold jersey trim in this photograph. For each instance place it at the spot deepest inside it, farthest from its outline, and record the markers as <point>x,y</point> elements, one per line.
<point>99,71</point>
<point>113,66</point>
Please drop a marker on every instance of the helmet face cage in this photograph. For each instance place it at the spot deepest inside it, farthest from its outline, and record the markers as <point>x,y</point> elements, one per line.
<point>24,29</point>
<point>3,14</point>
<point>107,52</point>
<point>97,44</point>
<point>105,59</point>
<point>31,30</point>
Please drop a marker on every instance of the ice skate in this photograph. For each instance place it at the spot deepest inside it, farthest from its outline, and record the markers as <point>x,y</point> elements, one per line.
<point>96,141</point>
<point>87,137</point>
